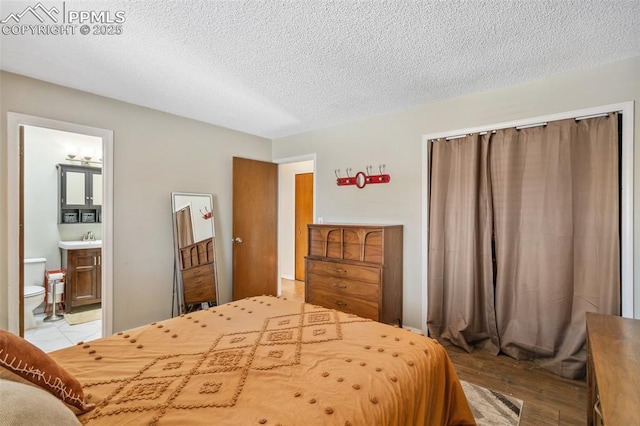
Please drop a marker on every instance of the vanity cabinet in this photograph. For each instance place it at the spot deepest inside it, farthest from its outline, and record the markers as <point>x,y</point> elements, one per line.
<point>356,269</point>
<point>84,277</point>
<point>80,191</point>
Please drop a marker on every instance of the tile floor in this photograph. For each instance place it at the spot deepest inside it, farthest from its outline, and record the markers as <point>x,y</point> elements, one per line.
<point>51,336</point>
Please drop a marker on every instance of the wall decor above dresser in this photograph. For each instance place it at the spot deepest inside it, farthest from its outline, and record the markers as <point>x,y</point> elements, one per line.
<point>356,269</point>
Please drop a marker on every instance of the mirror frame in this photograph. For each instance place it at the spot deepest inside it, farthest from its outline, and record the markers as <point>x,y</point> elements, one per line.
<point>178,285</point>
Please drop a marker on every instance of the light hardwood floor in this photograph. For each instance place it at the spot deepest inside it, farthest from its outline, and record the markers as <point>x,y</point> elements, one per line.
<point>548,399</point>
<point>292,289</point>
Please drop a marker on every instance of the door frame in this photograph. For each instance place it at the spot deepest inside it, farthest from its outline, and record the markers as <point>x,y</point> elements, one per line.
<point>626,195</point>
<point>287,160</point>
<point>299,249</point>
<point>14,121</point>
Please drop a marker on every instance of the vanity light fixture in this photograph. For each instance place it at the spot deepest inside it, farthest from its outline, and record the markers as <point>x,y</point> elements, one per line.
<point>86,159</point>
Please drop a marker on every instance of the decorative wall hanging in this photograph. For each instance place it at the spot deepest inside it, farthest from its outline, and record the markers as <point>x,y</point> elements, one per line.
<point>206,215</point>
<point>361,179</point>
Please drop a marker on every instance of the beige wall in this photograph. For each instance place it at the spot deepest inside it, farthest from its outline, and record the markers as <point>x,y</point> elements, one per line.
<point>395,140</point>
<point>154,154</point>
<point>157,153</point>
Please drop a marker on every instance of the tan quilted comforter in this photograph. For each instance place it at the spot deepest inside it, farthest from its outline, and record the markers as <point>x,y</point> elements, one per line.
<point>271,361</point>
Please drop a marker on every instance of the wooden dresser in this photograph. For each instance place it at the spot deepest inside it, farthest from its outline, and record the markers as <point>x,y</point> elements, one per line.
<point>356,269</point>
<point>613,370</point>
<point>198,275</point>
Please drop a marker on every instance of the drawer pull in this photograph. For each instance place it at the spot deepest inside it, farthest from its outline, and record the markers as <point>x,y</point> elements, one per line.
<point>340,270</point>
<point>598,411</point>
<point>339,303</point>
<point>339,285</point>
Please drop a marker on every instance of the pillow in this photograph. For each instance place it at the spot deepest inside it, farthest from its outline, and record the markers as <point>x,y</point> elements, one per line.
<point>27,405</point>
<point>27,361</point>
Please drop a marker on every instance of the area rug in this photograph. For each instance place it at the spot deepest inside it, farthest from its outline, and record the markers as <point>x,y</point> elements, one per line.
<point>492,408</point>
<point>83,316</point>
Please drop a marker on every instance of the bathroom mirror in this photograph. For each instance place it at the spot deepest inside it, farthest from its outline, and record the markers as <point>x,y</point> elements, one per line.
<point>195,272</point>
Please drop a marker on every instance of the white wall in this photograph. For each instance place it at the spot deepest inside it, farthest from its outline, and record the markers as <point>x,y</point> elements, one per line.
<point>396,140</point>
<point>154,154</point>
<point>286,214</point>
<point>44,149</point>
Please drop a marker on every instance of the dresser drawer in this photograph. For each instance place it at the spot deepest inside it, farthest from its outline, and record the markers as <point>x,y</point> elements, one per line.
<point>344,287</point>
<point>199,284</point>
<point>358,306</point>
<point>341,270</point>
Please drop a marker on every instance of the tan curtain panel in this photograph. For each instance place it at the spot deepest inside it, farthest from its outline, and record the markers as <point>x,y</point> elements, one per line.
<point>460,290</point>
<point>549,197</point>
<point>184,227</point>
<point>555,198</point>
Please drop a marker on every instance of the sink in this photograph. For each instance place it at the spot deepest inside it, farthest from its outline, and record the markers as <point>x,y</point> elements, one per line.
<point>78,245</point>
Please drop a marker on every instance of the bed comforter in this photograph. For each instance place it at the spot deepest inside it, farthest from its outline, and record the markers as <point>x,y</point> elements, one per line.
<point>267,361</point>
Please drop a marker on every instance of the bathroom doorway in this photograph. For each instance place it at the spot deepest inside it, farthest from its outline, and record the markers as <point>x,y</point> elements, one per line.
<point>33,184</point>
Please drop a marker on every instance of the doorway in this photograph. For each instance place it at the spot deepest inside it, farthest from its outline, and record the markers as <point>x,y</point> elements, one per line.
<point>16,124</point>
<point>303,212</point>
<point>49,156</point>
<point>289,169</point>
<point>271,192</point>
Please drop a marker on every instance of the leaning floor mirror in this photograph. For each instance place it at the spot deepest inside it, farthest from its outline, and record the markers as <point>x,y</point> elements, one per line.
<point>195,272</point>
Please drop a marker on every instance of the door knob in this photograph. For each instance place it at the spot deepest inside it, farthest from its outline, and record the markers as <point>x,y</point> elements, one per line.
<point>237,240</point>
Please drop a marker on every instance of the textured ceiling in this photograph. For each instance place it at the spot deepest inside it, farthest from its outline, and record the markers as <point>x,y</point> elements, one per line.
<point>276,68</point>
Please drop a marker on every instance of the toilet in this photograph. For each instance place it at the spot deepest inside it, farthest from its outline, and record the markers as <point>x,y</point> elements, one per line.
<point>33,288</point>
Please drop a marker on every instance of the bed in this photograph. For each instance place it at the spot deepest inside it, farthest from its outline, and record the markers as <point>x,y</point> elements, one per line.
<point>271,361</point>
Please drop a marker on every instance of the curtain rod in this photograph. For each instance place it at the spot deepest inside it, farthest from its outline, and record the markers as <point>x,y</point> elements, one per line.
<point>527,126</point>
<point>448,138</point>
<point>454,137</point>
<point>582,117</point>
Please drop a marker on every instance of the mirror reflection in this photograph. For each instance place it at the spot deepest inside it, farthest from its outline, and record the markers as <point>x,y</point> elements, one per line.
<point>196,280</point>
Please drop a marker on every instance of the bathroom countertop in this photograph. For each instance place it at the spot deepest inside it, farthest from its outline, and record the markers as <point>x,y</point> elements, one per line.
<point>79,245</point>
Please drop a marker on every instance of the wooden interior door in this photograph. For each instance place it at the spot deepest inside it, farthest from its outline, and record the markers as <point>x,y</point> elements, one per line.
<point>255,228</point>
<point>304,216</point>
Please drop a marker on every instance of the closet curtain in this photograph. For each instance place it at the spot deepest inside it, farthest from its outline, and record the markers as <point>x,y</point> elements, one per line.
<point>554,202</point>
<point>460,290</point>
<point>184,227</point>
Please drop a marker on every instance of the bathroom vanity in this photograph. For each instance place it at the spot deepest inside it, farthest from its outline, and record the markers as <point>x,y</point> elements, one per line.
<point>83,262</point>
